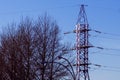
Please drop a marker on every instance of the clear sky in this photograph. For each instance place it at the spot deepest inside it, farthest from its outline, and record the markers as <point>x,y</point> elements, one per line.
<point>103,15</point>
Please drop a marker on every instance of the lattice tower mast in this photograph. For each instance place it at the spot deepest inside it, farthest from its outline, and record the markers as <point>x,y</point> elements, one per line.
<point>82,45</point>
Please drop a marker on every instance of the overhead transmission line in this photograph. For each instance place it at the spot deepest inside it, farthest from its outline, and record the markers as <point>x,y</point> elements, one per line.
<point>103,48</point>
<point>104,33</point>
<point>103,67</point>
<point>111,54</point>
<point>110,38</point>
<point>97,31</point>
<point>99,47</point>
<point>114,70</point>
<point>100,32</point>
<point>107,68</point>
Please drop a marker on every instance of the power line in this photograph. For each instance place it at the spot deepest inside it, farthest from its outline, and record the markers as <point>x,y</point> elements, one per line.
<point>108,68</point>
<point>105,33</point>
<point>98,47</point>
<point>112,67</point>
<point>104,67</point>
<point>102,53</point>
<point>106,37</point>
<point>93,69</point>
<point>100,32</point>
<point>106,54</point>
<point>103,48</point>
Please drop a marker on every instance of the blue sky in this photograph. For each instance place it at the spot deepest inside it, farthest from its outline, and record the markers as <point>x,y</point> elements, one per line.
<point>103,15</point>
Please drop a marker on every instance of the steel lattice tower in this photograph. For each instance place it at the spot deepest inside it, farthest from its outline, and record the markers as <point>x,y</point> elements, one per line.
<point>82,45</point>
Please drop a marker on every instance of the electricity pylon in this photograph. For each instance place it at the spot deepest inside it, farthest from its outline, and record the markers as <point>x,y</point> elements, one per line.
<point>82,45</point>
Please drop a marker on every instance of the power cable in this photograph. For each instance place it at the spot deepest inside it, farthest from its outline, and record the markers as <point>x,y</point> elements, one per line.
<point>94,69</point>
<point>106,54</point>
<point>103,48</point>
<point>106,37</point>
<point>109,68</point>
<point>100,32</point>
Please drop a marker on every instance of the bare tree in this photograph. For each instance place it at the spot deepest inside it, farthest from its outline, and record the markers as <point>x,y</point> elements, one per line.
<point>48,47</point>
<point>30,52</point>
<point>15,45</point>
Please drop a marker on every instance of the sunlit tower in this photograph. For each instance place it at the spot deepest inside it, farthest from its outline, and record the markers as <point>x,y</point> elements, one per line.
<point>82,45</point>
